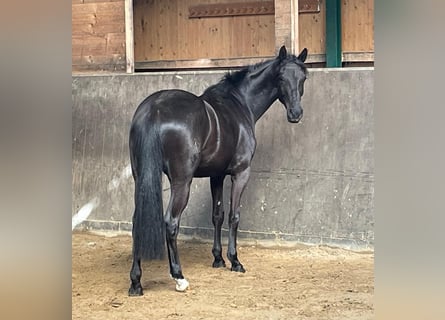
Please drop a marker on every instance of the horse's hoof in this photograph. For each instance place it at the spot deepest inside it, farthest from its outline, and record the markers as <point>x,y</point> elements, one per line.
<point>238,268</point>
<point>133,292</point>
<point>181,285</point>
<point>219,264</point>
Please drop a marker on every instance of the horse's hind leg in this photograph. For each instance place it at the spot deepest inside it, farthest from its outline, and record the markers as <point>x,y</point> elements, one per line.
<point>178,201</point>
<point>239,182</point>
<point>135,276</point>
<point>216,184</point>
<point>135,273</point>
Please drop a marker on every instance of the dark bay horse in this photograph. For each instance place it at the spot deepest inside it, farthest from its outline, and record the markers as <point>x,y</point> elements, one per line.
<point>213,135</point>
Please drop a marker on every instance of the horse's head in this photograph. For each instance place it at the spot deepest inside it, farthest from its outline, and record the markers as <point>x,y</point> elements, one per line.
<point>291,79</point>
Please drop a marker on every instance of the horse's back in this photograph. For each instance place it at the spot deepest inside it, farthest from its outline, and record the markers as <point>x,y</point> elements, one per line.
<point>171,110</point>
<point>167,104</point>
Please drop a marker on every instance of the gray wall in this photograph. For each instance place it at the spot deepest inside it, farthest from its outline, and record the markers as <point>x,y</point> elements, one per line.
<point>311,182</point>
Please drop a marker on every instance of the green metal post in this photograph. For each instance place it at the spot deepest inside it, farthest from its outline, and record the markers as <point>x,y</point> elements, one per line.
<point>333,33</point>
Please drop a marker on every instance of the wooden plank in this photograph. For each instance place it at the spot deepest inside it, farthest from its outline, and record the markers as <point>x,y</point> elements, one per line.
<point>98,35</point>
<point>99,8</point>
<point>99,60</point>
<point>168,26</point>
<point>294,28</point>
<point>98,18</point>
<point>312,31</point>
<point>97,28</point>
<point>99,1</point>
<point>111,43</point>
<point>129,36</point>
<point>309,6</point>
<point>99,50</point>
<point>183,29</point>
<point>88,47</point>
<point>139,25</point>
<point>198,63</point>
<point>225,48</point>
<point>358,56</point>
<point>358,25</point>
<point>146,30</point>
<point>191,33</point>
<point>266,35</point>
<point>89,68</point>
<point>282,24</point>
<point>316,58</point>
<point>212,63</point>
<point>92,1</point>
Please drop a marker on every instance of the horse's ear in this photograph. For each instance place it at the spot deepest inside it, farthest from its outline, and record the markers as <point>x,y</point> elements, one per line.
<point>303,55</point>
<point>283,53</point>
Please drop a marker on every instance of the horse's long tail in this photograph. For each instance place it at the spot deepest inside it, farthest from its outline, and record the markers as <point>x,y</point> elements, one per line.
<point>148,220</point>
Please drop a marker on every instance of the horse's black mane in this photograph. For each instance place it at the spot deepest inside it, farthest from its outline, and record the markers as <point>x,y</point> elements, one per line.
<point>234,78</point>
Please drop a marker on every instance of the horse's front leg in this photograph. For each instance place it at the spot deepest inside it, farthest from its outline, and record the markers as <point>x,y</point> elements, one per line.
<point>239,182</point>
<point>216,185</point>
<point>178,201</point>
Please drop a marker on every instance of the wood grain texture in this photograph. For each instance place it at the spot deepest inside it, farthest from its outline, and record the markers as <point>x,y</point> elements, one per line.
<point>312,31</point>
<point>98,35</point>
<point>129,36</point>
<point>163,31</point>
<point>357,26</point>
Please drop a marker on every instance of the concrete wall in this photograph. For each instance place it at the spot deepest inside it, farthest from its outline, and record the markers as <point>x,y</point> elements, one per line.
<point>311,182</point>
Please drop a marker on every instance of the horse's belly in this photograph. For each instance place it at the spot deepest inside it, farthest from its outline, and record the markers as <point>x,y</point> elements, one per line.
<point>206,169</point>
<point>202,173</point>
<point>223,164</point>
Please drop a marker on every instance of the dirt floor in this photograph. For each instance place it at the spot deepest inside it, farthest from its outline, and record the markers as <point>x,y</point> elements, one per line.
<point>280,283</point>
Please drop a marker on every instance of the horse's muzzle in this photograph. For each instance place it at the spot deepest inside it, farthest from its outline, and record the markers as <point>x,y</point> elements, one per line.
<point>294,117</point>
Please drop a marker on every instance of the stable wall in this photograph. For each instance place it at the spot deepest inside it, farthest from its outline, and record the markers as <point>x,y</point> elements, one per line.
<point>105,33</point>
<point>311,182</point>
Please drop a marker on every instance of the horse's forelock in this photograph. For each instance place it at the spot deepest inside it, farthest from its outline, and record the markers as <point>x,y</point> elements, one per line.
<point>291,58</point>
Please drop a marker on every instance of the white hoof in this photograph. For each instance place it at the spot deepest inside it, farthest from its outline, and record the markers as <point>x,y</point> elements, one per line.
<point>181,285</point>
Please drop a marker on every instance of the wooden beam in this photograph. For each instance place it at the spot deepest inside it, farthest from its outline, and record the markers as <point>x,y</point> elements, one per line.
<point>358,56</point>
<point>212,63</point>
<point>129,36</point>
<point>198,63</point>
<point>294,49</point>
<point>231,9</point>
<point>309,6</point>
<point>282,24</point>
<point>248,8</point>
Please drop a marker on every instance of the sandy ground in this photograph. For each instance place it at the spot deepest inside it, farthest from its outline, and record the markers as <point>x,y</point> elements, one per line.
<point>280,283</point>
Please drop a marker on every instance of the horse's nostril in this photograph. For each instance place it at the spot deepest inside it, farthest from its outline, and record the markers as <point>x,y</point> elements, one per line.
<point>300,116</point>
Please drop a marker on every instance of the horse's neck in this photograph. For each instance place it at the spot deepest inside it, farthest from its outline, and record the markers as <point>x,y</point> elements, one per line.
<point>260,95</point>
<point>261,107</point>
